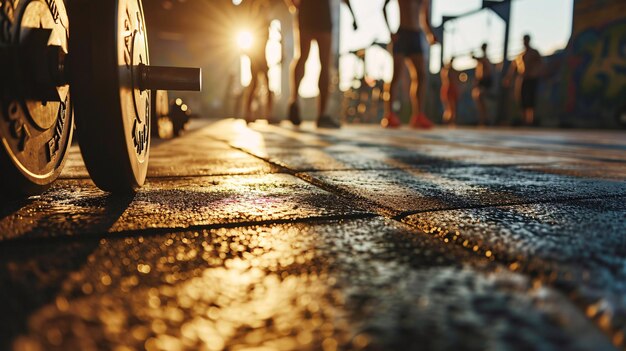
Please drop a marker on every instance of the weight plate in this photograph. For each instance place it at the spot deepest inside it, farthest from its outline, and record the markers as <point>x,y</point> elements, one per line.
<point>35,133</point>
<point>109,43</point>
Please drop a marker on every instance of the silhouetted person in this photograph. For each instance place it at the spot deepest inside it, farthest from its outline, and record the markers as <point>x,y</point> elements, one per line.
<point>527,66</point>
<point>407,49</point>
<point>449,92</point>
<point>260,21</point>
<point>482,84</point>
<point>313,22</point>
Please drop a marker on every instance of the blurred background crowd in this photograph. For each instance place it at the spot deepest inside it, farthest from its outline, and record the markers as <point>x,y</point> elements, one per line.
<point>581,81</point>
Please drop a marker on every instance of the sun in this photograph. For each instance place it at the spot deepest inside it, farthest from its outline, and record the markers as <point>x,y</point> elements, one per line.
<point>245,40</point>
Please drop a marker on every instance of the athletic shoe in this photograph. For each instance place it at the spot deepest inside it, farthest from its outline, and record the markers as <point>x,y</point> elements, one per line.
<point>390,120</point>
<point>327,122</point>
<point>294,114</point>
<point>421,121</point>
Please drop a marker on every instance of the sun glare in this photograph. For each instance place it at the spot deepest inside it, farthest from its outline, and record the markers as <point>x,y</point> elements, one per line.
<point>273,56</point>
<point>244,40</point>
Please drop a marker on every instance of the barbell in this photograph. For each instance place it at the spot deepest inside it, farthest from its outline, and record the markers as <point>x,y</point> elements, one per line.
<point>95,74</point>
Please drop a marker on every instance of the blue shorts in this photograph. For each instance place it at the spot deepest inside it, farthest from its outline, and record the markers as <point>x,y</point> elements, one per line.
<point>408,42</point>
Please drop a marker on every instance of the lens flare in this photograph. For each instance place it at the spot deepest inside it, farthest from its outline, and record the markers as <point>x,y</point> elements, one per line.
<point>244,40</point>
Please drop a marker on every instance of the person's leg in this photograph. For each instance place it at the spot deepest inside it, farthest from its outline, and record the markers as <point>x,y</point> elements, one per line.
<point>391,88</point>
<point>484,116</point>
<point>324,43</point>
<point>529,116</point>
<point>303,47</point>
<point>270,97</point>
<point>479,100</point>
<point>445,103</point>
<point>269,108</point>
<point>418,91</point>
<point>453,105</point>
<point>390,120</point>
<point>527,94</point>
<point>250,96</point>
<point>416,70</point>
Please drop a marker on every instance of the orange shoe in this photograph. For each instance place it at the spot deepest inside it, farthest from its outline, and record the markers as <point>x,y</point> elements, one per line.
<point>421,121</point>
<point>390,120</point>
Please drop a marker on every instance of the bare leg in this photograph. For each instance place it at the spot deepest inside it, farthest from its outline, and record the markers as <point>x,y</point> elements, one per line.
<point>250,96</point>
<point>529,116</point>
<point>453,105</point>
<point>479,99</point>
<point>392,87</point>
<point>446,109</point>
<point>324,42</point>
<point>418,91</point>
<point>269,108</point>
<point>303,47</point>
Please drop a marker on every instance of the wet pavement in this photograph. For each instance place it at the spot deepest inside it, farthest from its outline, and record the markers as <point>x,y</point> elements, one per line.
<point>271,238</point>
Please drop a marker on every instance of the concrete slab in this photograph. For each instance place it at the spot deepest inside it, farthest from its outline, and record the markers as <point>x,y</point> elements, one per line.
<point>77,207</point>
<point>589,169</point>
<point>578,246</point>
<point>315,159</point>
<point>364,284</point>
<point>186,160</point>
<point>190,156</point>
<point>586,145</point>
<point>360,147</point>
<point>438,188</point>
<point>274,237</point>
<point>361,156</point>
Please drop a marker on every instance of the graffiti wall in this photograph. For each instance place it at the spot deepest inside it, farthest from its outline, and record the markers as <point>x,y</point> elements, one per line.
<point>586,84</point>
<point>583,85</point>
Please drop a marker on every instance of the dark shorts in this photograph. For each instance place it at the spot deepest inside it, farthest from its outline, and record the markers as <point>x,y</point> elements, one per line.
<point>529,93</point>
<point>408,42</point>
<point>258,60</point>
<point>258,65</point>
<point>485,83</point>
<point>314,16</point>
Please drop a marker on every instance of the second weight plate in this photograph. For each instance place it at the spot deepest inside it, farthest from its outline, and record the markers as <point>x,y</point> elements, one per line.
<point>108,45</point>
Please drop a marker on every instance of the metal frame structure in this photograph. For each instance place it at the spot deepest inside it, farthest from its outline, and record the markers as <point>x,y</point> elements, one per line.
<point>502,8</point>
